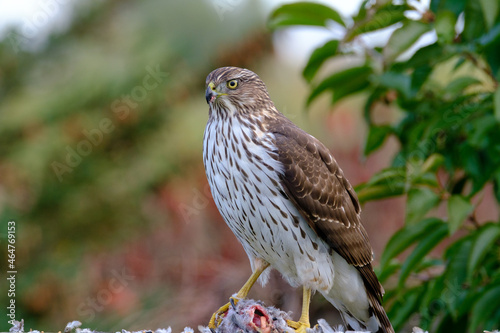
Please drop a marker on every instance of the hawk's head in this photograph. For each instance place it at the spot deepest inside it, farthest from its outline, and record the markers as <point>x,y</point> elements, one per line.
<point>233,89</point>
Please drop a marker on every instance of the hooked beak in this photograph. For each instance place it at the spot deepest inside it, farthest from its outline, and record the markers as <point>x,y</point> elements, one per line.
<point>210,93</point>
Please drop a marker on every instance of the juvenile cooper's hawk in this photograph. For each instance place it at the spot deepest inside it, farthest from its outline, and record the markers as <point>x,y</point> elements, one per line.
<point>287,201</point>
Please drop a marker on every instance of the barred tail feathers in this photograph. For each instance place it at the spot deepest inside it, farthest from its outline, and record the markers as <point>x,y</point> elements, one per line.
<point>358,297</point>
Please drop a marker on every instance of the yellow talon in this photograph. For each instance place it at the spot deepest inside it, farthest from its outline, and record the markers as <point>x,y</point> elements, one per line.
<point>217,317</point>
<point>298,326</point>
<point>302,325</point>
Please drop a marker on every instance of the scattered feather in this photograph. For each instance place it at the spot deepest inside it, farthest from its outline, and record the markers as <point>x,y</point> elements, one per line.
<point>248,316</point>
<point>17,326</point>
<point>418,330</point>
<point>72,325</point>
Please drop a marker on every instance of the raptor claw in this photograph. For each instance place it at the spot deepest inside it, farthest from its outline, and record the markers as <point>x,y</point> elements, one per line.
<point>298,326</point>
<point>233,302</point>
<point>217,317</point>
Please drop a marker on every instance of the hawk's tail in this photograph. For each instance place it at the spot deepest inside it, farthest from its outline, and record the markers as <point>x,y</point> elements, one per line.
<point>375,291</point>
<point>377,312</point>
<point>377,320</point>
<point>373,325</point>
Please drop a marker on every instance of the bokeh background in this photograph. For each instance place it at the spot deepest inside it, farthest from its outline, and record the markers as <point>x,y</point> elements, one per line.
<point>102,114</point>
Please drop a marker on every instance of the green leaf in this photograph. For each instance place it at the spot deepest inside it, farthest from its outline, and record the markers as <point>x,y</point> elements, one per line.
<point>448,323</point>
<point>376,137</point>
<point>360,16</point>
<point>377,192</point>
<point>343,83</point>
<point>388,175</point>
<point>496,101</point>
<point>400,82</point>
<point>432,163</point>
<point>429,263</point>
<point>455,6</point>
<point>303,13</point>
<point>401,310</point>
<point>457,86</point>
<point>429,241</point>
<point>419,172</point>
<point>474,24</point>
<point>383,17</point>
<point>387,183</point>
<point>425,179</point>
<point>457,255</point>
<point>472,164</point>
<point>491,38</point>
<point>406,236</point>
<point>450,283</point>
<point>404,37</point>
<point>458,209</point>
<point>484,307</point>
<point>490,11</point>
<point>480,130</point>
<point>318,57</point>
<point>483,243</point>
<point>461,60</point>
<point>432,293</point>
<point>445,26</point>
<point>385,272</point>
<point>429,55</point>
<point>419,77</point>
<point>350,87</point>
<point>462,303</point>
<point>493,321</point>
<point>419,202</point>
<point>491,52</point>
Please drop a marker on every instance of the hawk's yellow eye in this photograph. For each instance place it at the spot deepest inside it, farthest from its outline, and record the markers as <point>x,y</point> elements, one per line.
<point>232,84</point>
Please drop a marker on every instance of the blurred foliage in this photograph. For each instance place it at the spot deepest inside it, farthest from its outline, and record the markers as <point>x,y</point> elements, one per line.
<point>449,154</point>
<point>94,125</point>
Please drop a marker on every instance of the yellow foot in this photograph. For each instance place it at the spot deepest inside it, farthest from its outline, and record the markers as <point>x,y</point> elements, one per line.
<point>298,326</point>
<point>217,317</point>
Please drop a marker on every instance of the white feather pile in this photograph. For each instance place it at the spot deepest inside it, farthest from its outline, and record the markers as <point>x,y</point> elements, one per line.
<point>248,316</point>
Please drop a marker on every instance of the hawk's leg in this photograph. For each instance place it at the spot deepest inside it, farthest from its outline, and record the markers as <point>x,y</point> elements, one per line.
<point>242,293</point>
<point>303,323</point>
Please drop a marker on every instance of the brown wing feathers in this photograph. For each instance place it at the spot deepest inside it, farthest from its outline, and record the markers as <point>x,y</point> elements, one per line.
<point>314,182</point>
